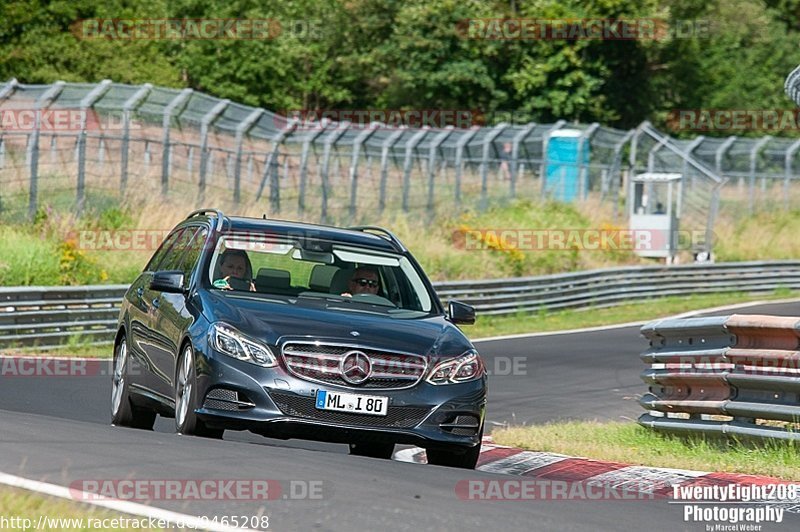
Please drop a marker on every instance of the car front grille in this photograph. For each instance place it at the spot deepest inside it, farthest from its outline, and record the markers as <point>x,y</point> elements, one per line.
<point>304,407</point>
<point>321,363</point>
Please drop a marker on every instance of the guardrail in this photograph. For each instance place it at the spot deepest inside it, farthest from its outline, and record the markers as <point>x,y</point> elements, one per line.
<point>730,375</point>
<point>615,286</point>
<point>50,316</point>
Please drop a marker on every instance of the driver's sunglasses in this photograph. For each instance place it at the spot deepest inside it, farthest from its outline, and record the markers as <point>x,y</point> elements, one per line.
<point>366,282</point>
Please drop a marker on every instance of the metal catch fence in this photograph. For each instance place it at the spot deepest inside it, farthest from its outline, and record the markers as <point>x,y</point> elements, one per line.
<point>74,144</point>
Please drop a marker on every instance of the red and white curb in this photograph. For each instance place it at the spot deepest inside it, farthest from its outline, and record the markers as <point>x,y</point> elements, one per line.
<point>558,467</point>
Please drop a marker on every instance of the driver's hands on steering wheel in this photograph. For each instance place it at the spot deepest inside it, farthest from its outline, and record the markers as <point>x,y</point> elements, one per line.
<point>223,284</point>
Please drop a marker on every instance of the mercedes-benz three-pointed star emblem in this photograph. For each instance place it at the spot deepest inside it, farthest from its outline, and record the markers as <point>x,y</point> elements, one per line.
<point>355,367</point>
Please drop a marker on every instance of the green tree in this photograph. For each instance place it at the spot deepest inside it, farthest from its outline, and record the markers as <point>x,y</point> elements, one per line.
<point>40,43</point>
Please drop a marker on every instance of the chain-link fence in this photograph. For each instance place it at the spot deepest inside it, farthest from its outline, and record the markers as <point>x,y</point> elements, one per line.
<point>69,143</point>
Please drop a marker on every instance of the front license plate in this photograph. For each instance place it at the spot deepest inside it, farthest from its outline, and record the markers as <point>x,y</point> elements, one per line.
<point>355,404</point>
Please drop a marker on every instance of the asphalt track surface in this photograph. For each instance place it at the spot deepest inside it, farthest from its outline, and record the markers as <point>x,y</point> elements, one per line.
<point>57,430</point>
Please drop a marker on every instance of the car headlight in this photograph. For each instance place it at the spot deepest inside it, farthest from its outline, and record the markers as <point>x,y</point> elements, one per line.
<point>231,342</point>
<point>464,368</point>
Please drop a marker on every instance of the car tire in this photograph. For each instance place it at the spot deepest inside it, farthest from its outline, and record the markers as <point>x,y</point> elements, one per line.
<point>123,413</point>
<point>186,421</point>
<point>372,450</point>
<point>456,457</point>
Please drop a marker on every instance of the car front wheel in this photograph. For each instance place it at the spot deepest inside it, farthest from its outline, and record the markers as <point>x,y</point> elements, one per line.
<point>456,457</point>
<point>186,421</point>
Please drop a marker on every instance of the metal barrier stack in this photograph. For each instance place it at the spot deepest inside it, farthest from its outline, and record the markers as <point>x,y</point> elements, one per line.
<point>730,375</point>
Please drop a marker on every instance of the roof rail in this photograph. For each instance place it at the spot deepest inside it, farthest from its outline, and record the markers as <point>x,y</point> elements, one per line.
<point>217,212</point>
<point>385,233</point>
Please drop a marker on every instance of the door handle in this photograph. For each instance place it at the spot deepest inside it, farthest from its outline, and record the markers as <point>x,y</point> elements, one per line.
<point>156,303</point>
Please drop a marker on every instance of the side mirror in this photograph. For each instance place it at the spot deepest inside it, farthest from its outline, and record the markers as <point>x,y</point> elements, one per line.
<point>168,281</point>
<point>461,313</point>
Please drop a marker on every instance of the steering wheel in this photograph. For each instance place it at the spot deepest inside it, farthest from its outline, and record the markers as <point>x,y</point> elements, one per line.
<point>374,298</point>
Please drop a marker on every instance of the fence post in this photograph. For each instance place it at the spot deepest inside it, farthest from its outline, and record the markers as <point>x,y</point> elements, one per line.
<point>432,149</point>
<point>685,169</point>
<point>127,108</point>
<point>180,99</point>
<point>241,130</point>
<point>545,142</point>
<point>408,162</point>
<point>205,125</point>
<point>720,153</point>
<point>787,162</point>
<point>753,163</point>
<point>270,167</point>
<point>459,162</point>
<point>390,141</point>
<point>307,142</point>
<point>513,165</point>
<point>651,155</point>
<point>87,102</point>
<point>5,93</point>
<point>328,142</point>
<point>583,188</point>
<point>357,143</point>
<point>8,89</point>
<point>632,159</point>
<point>616,164</point>
<point>487,146</point>
<point>33,146</point>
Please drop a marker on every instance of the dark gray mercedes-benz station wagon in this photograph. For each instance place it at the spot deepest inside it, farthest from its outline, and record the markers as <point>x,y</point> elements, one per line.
<point>297,330</point>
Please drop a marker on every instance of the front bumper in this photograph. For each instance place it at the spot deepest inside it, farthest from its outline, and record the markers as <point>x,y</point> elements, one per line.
<point>236,395</point>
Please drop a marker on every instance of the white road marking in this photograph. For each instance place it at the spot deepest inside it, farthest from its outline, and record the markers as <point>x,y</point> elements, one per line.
<point>126,507</point>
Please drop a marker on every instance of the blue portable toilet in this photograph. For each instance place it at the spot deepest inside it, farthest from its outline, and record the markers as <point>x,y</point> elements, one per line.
<point>565,178</point>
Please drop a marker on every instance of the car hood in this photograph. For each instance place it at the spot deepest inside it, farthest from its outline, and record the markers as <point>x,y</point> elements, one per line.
<point>272,321</point>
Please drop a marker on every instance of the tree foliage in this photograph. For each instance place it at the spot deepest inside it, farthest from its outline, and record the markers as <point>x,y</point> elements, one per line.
<point>400,54</point>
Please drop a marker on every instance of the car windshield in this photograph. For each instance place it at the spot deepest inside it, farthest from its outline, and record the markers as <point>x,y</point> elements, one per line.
<point>320,272</point>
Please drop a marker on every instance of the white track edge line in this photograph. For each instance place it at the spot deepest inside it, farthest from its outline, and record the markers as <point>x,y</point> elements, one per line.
<point>126,507</point>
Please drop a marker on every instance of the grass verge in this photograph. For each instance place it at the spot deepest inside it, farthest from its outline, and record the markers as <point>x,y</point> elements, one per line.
<point>22,510</point>
<point>629,443</point>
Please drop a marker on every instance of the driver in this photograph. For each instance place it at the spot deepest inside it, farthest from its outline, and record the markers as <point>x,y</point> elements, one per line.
<point>363,281</point>
<point>234,263</point>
